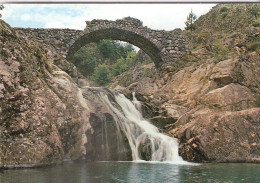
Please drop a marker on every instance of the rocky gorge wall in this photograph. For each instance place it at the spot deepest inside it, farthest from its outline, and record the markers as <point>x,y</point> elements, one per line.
<point>45,117</point>
<point>214,114</point>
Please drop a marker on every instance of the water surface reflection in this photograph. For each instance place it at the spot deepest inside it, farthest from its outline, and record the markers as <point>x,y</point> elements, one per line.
<point>113,172</point>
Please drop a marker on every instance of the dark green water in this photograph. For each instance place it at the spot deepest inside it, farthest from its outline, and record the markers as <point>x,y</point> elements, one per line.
<point>113,172</point>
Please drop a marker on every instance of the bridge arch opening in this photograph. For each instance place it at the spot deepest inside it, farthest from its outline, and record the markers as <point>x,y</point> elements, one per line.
<point>150,48</point>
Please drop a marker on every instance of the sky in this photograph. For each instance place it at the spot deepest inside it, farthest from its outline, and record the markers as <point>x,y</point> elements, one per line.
<point>155,16</point>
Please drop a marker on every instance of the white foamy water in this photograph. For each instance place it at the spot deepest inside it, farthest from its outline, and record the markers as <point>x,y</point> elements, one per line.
<point>141,134</point>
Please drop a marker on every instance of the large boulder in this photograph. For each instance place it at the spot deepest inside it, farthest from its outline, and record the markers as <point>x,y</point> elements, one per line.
<point>207,135</point>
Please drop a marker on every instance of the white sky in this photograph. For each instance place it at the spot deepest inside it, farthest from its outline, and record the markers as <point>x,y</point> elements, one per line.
<point>155,16</point>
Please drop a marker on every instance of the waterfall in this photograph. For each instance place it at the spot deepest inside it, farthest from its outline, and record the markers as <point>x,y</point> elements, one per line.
<point>145,140</point>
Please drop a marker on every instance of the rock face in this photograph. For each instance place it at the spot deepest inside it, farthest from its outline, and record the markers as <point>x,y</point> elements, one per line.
<point>211,106</point>
<point>45,118</point>
<point>207,135</point>
<point>106,141</point>
<point>213,113</point>
<point>40,111</point>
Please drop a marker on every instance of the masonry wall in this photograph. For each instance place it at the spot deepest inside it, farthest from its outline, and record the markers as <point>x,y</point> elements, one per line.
<point>171,45</point>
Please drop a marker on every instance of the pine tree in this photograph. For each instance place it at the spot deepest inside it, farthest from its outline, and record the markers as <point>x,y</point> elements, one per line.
<point>190,21</point>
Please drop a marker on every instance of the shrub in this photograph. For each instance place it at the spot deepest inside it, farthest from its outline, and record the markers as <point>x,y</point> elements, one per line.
<point>101,75</point>
<point>123,64</point>
<point>256,23</point>
<point>220,52</point>
<point>223,9</point>
<point>253,45</point>
<point>119,67</point>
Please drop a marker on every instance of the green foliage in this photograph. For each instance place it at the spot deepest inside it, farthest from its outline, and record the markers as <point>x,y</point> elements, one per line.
<point>190,21</point>
<point>253,45</point>
<point>115,57</point>
<point>119,67</point>
<point>223,9</point>
<point>220,52</point>
<point>1,8</point>
<point>256,23</point>
<point>102,75</point>
<point>122,64</point>
<point>255,11</point>
<point>85,60</point>
<point>112,50</point>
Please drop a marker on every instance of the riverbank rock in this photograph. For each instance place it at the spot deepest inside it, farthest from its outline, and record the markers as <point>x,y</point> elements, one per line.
<point>207,135</point>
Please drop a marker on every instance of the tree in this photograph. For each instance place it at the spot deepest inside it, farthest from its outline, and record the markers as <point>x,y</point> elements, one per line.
<point>112,50</point>
<point>123,64</point>
<point>1,8</point>
<point>190,21</point>
<point>101,75</point>
<point>86,59</point>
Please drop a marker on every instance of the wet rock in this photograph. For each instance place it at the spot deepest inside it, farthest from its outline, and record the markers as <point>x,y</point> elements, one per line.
<point>145,149</point>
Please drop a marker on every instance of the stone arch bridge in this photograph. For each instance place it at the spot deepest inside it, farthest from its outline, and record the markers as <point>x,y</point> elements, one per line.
<point>164,47</point>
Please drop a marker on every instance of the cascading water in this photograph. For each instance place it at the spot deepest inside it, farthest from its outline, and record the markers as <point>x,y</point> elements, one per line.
<point>145,140</point>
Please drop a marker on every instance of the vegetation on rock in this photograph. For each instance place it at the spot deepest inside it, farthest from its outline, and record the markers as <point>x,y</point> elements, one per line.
<point>101,75</point>
<point>105,58</point>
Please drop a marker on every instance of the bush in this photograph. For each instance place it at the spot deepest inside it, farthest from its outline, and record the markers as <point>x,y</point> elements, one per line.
<point>256,23</point>
<point>220,52</point>
<point>253,45</point>
<point>123,64</point>
<point>101,75</point>
<point>223,9</point>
